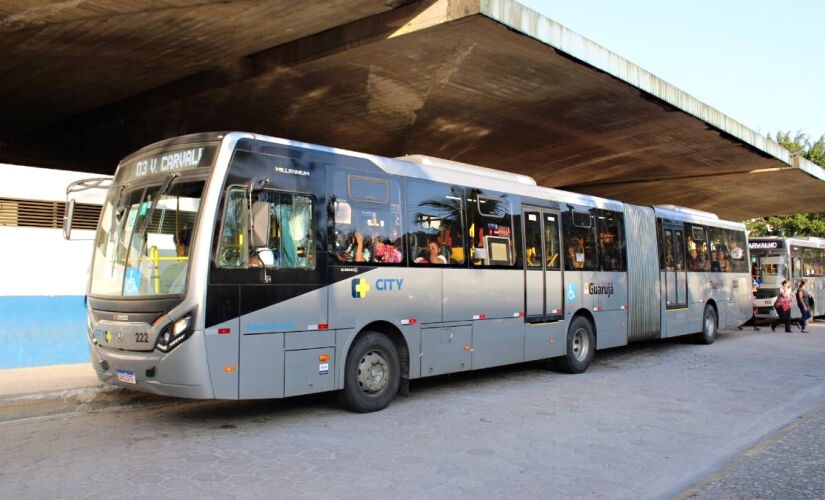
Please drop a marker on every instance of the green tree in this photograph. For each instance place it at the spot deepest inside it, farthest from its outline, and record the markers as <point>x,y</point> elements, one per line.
<point>805,224</point>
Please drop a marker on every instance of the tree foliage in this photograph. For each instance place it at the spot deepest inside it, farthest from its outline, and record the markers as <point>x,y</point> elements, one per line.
<point>806,224</point>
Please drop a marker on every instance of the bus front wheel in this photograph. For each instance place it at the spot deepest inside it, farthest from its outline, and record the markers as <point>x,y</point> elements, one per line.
<point>372,373</point>
<point>581,342</point>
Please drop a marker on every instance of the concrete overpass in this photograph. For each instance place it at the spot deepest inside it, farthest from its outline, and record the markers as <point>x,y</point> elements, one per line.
<point>488,82</point>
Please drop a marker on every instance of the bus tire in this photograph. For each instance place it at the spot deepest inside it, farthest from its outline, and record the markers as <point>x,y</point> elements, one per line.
<point>710,326</point>
<point>581,343</point>
<point>372,373</point>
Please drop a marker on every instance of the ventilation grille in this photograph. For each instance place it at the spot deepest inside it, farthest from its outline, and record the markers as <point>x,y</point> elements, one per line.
<point>48,214</point>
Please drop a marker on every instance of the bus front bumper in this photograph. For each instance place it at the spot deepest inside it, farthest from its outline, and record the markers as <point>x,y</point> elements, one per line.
<point>181,373</point>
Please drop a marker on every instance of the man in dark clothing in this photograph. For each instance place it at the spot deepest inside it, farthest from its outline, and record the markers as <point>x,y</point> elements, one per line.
<point>803,301</point>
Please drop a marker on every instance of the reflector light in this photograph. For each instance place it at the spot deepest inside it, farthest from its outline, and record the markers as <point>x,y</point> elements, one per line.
<point>410,321</point>
<point>224,331</point>
<point>552,341</point>
<point>597,309</point>
<point>319,326</point>
<point>323,326</point>
<point>229,369</point>
<point>480,316</point>
<point>518,315</point>
<point>466,348</point>
<point>556,311</point>
<point>323,357</point>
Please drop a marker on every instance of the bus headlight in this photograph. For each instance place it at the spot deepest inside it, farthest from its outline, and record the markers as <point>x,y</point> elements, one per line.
<point>174,334</point>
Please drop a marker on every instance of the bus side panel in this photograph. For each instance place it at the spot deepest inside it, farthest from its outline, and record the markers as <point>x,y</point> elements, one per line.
<point>609,292</point>
<point>222,336</point>
<point>494,293</point>
<point>544,340</point>
<point>497,342</point>
<point>389,293</point>
<point>262,372</point>
<point>574,296</point>
<point>744,298</point>
<point>262,366</point>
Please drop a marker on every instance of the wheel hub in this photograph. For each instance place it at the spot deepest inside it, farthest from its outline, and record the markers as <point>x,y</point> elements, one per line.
<point>373,372</point>
<point>581,344</point>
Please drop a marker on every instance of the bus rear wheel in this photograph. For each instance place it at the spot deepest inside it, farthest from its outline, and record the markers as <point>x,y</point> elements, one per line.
<point>710,325</point>
<point>372,373</point>
<point>581,342</point>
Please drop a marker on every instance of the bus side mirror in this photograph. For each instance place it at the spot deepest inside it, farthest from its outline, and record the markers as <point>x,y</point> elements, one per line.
<point>68,216</point>
<point>260,224</point>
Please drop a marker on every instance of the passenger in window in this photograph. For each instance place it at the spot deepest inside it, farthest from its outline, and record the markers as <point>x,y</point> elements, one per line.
<point>575,258</point>
<point>434,254</point>
<point>724,260</point>
<point>693,257</point>
<point>386,252</point>
<point>736,252</point>
<point>714,261</point>
<point>352,249</point>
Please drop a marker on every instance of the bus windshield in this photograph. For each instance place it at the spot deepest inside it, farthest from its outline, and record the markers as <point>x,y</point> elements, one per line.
<point>142,246</point>
<point>768,268</point>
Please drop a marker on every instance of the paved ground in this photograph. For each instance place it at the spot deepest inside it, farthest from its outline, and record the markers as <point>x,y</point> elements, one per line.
<point>646,421</point>
<point>789,464</point>
<point>38,379</point>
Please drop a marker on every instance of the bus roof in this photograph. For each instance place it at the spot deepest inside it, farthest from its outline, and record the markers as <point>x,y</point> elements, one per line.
<point>685,214</point>
<point>462,174</point>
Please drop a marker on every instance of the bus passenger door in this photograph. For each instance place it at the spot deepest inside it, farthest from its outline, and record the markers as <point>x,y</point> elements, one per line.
<point>675,282</point>
<point>553,288</point>
<point>534,268</point>
<point>542,284</point>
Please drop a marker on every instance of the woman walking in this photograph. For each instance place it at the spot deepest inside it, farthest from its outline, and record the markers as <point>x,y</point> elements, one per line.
<point>783,307</point>
<point>803,301</point>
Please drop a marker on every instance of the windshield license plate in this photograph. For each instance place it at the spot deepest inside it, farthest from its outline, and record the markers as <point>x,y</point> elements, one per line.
<point>126,376</point>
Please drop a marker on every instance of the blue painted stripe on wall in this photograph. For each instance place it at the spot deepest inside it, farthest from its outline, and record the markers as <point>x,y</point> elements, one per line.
<point>42,330</point>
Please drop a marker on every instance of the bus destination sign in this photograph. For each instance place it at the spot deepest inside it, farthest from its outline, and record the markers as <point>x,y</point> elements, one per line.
<point>167,161</point>
<point>765,245</point>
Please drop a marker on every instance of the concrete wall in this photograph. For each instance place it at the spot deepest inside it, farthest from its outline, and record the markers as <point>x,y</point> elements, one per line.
<point>42,278</point>
<point>42,297</point>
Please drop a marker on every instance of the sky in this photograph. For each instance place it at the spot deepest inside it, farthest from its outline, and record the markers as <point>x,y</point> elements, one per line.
<point>761,63</point>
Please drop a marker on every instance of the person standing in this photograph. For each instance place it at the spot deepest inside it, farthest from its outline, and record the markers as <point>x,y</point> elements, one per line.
<point>783,307</point>
<point>803,301</point>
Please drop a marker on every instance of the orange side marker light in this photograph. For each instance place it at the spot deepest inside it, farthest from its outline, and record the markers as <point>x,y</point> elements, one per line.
<point>323,357</point>
<point>229,369</point>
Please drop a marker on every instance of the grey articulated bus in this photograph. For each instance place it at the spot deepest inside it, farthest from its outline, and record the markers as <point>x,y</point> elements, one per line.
<point>236,266</point>
<point>774,260</point>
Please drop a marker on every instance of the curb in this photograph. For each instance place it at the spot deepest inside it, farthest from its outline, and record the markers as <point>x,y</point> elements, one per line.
<point>87,399</point>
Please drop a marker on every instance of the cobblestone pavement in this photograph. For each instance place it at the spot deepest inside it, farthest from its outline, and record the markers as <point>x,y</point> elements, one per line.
<point>790,464</point>
<point>646,421</point>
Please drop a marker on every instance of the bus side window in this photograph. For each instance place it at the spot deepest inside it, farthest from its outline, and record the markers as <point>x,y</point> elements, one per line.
<point>736,251</point>
<point>697,249</point>
<point>232,250</point>
<point>290,243</point>
<point>365,213</point>
<point>580,253</point>
<point>490,229</point>
<point>436,235</point>
<point>611,241</point>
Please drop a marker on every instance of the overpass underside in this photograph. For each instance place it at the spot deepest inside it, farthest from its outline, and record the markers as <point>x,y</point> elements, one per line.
<point>483,82</point>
